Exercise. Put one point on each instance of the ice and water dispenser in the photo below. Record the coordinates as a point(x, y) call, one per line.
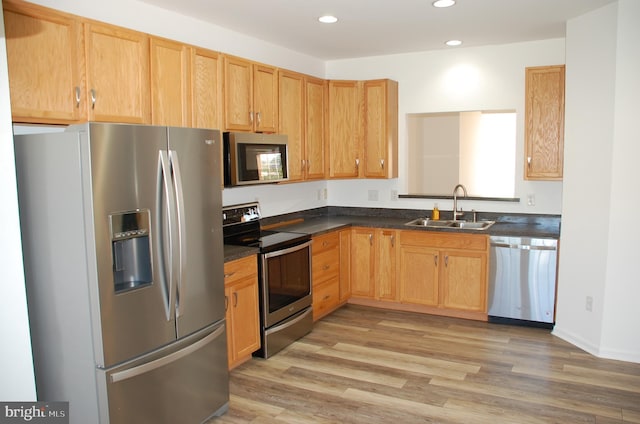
point(131, 249)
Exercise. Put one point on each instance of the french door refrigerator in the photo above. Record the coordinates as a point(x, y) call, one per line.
point(122, 242)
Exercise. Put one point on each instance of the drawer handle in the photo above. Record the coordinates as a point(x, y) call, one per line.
point(77, 90)
point(93, 98)
point(326, 297)
point(229, 274)
point(235, 299)
point(326, 267)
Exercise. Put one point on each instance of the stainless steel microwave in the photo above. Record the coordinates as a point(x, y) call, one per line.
point(255, 158)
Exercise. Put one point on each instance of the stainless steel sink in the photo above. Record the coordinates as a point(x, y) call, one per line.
point(458, 224)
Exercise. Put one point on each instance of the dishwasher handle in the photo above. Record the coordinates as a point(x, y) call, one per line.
point(522, 246)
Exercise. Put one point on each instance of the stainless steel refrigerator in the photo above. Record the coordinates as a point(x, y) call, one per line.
point(123, 253)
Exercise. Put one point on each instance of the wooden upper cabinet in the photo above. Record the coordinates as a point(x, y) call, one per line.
point(206, 89)
point(250, 96)
point(44, 54)
point(170, 83)
point(265, 98)
point(544, 122)
point(291, 115)
point(380, 137)
point(117, 74)
point(344, 129)
point(315, 128)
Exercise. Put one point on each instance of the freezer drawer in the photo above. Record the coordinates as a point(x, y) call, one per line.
point(522, 279)
point(173, 385)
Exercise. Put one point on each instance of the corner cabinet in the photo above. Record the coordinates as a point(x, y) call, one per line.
point(242, 310)
point(544, 122)
point(315, 128)
point(363, 129)
point(344, 129)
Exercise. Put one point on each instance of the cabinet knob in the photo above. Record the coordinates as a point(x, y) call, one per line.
point(529, 161)
point(235, 299)
point(382, 163)
point(357, 163)
point(93, 98)
point(326, 267)
point(435, 260)
point(259, 117)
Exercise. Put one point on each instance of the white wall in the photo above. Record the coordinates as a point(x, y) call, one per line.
point(599, 250)
point(16, 366)
point(463, 79)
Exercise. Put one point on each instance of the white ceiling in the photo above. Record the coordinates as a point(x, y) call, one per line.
point(382, 27)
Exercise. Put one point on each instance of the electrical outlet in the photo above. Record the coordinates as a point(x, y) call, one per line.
point(589, 304)
point(373, 195)
point(394, 195)
point(325, 193)
point(531, 199)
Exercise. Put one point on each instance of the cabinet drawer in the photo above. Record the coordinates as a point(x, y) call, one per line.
point(240, 268)
point(445, 240)
point(326, 297)
point(325, 266)
point(330, 241)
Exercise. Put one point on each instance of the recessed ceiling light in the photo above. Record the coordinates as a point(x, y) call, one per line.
point(443, 3)
point(453, 43)
point(328, 19)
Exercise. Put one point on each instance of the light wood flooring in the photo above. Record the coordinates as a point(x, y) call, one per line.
point(366, 365)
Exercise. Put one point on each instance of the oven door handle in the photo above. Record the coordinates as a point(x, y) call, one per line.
point(302, 315)
point(287, 250)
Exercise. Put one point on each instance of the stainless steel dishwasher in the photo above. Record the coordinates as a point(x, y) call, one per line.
point(522, 280)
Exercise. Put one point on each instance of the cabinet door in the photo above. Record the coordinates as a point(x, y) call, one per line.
point(380, 129)
point(238, 94)
point(344, 129)
point(385, 271)
point(544, 122)
point(362, 263)
point(44, 51)
point(345, 265)
point(291, 115)
point(265, 98)
point(316, 104)
point(418, 275)
point(206, 91)
point(170, 83)
point(117, 74)
point(243, 302)
point(464, 280)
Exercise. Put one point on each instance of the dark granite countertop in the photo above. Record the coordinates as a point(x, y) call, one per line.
point(238, 252)
point(515, 226)
point(323, 220)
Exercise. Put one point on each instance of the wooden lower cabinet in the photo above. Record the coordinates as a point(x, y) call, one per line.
point(325, 274)
point(373, 264)
point(242, 309)
point(444, 273)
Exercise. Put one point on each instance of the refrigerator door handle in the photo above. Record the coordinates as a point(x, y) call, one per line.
point(165, 229)
point(181, 222)
point(160, 362)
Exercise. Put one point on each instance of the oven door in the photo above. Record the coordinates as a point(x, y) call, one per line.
point(286, 282)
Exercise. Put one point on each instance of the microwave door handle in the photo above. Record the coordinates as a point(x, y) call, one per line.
point(164, 229)
point(181, 257)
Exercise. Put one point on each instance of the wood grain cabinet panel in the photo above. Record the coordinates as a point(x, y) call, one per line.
point(206, 88)
point(117, 74)
point(45, 63)
point(373, 264)
point(250, 96)
point(315, 128)
point(242, 310)
point(344, 129)
point(291, 115)
point(446, 272)
point(325, 273)
point(380, 129)
point(544, 122)
point(170, 83)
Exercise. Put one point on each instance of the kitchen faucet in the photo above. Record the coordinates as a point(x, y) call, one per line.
point(456, 214)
